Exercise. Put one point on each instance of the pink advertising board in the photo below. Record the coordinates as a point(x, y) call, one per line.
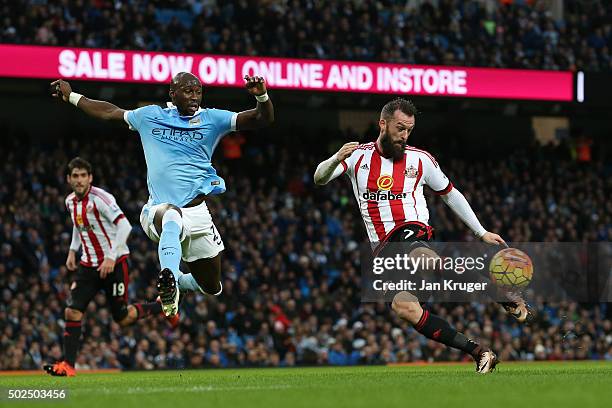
point(299, 74)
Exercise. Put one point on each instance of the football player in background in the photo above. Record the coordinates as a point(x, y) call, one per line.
point(101, 228)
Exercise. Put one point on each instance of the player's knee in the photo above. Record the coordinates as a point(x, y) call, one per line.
point(120, 315)
point(429, 256)
point(72, 315)
point(407, 306)
point(160, 214)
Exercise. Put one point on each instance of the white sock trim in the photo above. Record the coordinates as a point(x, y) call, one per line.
point(172, 215)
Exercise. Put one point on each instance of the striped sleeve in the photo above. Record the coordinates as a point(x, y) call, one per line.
point(348, 164)
point(434, 177)
point(106, 204)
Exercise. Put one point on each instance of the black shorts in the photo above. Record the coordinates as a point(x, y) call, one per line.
point(412, 235)
point(415, 233)
point(87, 283)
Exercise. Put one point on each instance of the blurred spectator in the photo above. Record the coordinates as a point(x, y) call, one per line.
point(232, 145)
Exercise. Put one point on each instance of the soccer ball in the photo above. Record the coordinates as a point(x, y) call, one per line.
point(511, 268)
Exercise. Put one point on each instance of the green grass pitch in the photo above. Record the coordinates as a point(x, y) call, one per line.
point(583, 384)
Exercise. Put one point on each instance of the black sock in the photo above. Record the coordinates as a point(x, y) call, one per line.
point(435, 328)
point(147, 309)
point(72, 337)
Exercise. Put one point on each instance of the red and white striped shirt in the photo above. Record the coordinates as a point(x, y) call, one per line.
point(95, 219)
point(390, 192)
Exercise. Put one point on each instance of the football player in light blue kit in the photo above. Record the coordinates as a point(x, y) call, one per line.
point(178, 143)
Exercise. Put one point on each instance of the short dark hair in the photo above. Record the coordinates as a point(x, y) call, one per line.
point(398, 104)
point(78, 163)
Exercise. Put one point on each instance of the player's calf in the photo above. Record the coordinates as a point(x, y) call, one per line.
point(170, 227)
point(429, 258)
point(207, 274)
point(130, 314)
point(72, 334)
point(407, 307)
point(435, 328)
point(169, 222)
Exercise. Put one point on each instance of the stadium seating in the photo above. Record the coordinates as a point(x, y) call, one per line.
point(519, 34)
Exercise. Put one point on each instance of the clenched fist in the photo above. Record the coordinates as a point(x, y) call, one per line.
point(61, 89)
point(256, 85)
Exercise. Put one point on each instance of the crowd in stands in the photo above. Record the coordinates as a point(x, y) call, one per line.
point(291, 268)
point(513, 34)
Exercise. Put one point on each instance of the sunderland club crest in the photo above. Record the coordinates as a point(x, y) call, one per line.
point(411, 172)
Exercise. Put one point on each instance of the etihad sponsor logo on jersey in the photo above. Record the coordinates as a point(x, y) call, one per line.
point(179, 135)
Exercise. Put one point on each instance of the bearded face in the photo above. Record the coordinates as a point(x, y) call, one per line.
point(394, 133)
point(392, 145)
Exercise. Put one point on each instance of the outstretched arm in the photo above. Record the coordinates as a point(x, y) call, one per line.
point(460, 206)
point(263, 114)
point(328, 169)
point(98, 109)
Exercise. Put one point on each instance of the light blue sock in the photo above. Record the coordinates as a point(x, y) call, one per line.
point(170, 252)
point(187, 282)
point(169, 249)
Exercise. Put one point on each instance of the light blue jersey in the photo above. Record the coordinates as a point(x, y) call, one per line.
point(178, 151)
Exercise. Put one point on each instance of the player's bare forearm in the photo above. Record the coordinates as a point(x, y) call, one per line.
point(263, 114)
point(260, 117)
point(98, 109)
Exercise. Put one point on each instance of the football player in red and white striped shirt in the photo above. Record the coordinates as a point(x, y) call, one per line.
point(101, 228)
point(388, 178)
